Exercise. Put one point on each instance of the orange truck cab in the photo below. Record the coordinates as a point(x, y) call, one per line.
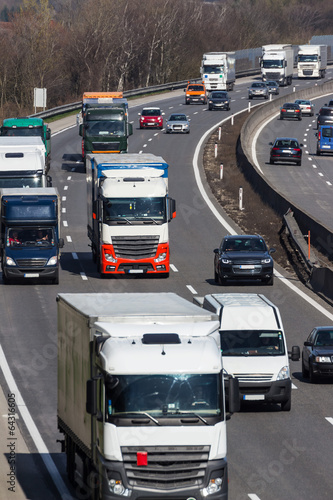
point(196, 93)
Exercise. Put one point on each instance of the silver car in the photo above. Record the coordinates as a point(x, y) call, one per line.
point(258, 89)
point(177, 122)
point(307, 107)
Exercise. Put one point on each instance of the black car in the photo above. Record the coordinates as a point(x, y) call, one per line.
point(290, 110)
point(317, 355)
point(273, 87)
point(243, 257)
point(325, 116)
point(286, 150)
point(219, 99)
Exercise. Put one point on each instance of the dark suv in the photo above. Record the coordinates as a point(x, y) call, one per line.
point(243, 257)
point(325, 116)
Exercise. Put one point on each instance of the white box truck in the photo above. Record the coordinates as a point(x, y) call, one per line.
point(22, 163)
point(141, 396)
point(277, 63)
point(218, 70)
point(253, 346)
point(312, 61)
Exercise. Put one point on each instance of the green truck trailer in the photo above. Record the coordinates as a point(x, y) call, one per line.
point(29, 127)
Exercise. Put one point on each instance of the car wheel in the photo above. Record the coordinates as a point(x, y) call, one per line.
point(266, 96)
point(216, 277)
point(299, 163)
point(299, 119)
point(269, 281)
point(305, 372)
point(250, 97)
point(286, 405)
point(271, 162)
point(210, 108)
point(318, 152)
point(55, 280)
point(313, 378)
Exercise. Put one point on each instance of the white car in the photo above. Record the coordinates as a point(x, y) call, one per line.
point(177, 122)
point(307, 107)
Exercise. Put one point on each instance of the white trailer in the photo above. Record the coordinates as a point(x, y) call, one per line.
point(277, 63)
point(218, 70)
point(22, 163)
point(141, 396)
point(253, 346)
point(312, 61)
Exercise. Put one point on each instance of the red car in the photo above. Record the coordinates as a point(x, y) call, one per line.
point(151, 117)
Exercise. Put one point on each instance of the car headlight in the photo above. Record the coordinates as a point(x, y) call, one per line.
point(202, 95)
point(210, 102)
point(265, 261)
point(226, 261)
point(283, 373)
point(117, 488)
point(10, 261)
point(161, 257)
point(214, 486)
point(52, 261)
point(109, 257)
point(323, 359)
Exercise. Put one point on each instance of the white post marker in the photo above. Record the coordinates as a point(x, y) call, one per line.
point(241, 198)
point(232, 119)
point(249, 107)
point(220, 131)
point(221, 171)
point(215, 149)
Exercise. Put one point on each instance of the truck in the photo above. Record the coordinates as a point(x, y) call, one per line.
point(217, 70)
point(129, 211)
point(141, 396)
point(277, 63)
point(312, 61)
point(253, 346)
point(30, 234)
point(22, 163)
point(105, 127)
point(29, 127)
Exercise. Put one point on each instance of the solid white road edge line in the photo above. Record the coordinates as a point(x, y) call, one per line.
point(33, 431)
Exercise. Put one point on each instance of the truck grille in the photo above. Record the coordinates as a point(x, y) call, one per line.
point(168, 467)
point(249, 377)
point(31, 263)
point(106, 146)
point(135, 247)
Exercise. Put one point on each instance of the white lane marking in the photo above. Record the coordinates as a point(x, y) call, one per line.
point(293, 386)
point(64, 198)
point(65, 188)
point(314, 166)
point(69, 177)
point(63, 210)
point(329, 183)
point(84, 276)
point(192, 289)
point(144, 146)
point(69, 239)
point(253, 496)
point(156, 134)
point(175, 270)
point(329, 419)
point(227, 226)
point(75, 256)
point(321, 175)
point(32, 429)
point(65, 223)
point(140, 152)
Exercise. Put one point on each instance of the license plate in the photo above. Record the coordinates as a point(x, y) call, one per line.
point(246, 266)
point(290, 111)
point(327, 147)
point(253, 397)
point(285, 151)
point(135, 271)
point(31, 275)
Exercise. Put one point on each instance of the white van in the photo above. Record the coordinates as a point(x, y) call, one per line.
point(253, 346)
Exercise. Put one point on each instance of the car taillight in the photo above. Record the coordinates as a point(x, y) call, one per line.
point(283, 109)
point(275, 149)
point(298, 110)
point(319, 135)
point(297, 150)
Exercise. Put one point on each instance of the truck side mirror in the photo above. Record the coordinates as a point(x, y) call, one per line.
point(295, 353)
point(91, 401)
point(234, 399)
point(49, 181)
point(130, 129)
point(61, 243)
point(172, 209)
point(80, 129)
point(48, 134)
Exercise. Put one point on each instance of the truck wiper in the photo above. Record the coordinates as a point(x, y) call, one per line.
point(189, 413)
point(150, 219)
point(143, 413)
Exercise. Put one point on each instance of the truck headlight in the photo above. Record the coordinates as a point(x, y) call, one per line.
point(109, 257)
point(323, 359)
point(213, 487)
point(10, 261)
point(117, 488)
point(52, 261)
point(161, 257)
point(283, 373)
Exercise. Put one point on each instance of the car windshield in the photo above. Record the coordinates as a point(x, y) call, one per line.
point(244, 245)
point(219, 95)
point(196, 87)
point(181, 118)
point(289, 105)
point(163, 395)
point(327, 132)
point(19, 237)
point(22, 131)
point(213, 69)
point(151, 112)
point(285, 143)
point(252, 343)
point(272, 84)
point(272, 63)
point(258, 85)
point(324, 337)
point(326, 112)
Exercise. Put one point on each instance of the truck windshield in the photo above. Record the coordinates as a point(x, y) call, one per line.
point(22, 131)
point(105, 128)
point(164, 395)
point(19, 237)
point(134, 210)
point(307, 58)
point(212, 69)
point(21, 182)
point(272, 63)
point(252, 343)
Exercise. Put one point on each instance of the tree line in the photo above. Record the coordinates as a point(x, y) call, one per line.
point(107, 45)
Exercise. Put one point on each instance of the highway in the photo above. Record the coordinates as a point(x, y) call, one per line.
point(272, 454)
